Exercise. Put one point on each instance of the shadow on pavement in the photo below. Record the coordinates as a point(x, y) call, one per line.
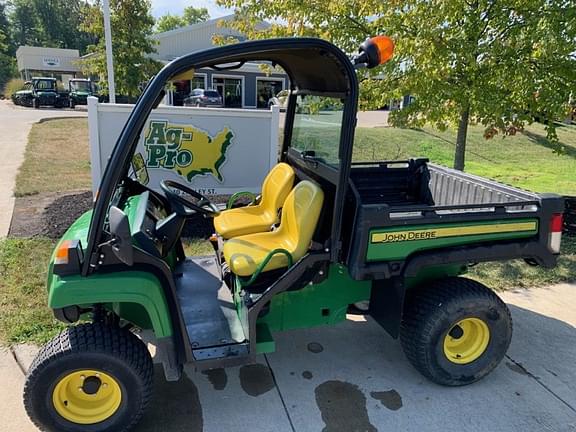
point(175, 406)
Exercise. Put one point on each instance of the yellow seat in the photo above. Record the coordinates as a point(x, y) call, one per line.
point(299, 219)
point(260, 217)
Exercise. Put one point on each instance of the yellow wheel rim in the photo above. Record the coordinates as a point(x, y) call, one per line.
point(466, 341)
point(87, 396)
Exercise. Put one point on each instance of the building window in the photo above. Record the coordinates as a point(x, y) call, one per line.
point(266, 89)
point(198, 82)
point(231, 90)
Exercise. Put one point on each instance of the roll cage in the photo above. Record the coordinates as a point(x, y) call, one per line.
point(314, 66)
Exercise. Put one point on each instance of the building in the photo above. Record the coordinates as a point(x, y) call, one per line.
point(58, 63)
point(245, 87)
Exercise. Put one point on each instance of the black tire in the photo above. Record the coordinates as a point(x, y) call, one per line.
point(112, 351)
point(72, 104)
point(433, 313)
point(36, 103)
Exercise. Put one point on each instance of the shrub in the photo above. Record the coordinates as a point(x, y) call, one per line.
point(12, 86)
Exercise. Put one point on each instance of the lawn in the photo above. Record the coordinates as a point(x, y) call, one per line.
point(25, 316)
point(525, 160)
point(57, 158)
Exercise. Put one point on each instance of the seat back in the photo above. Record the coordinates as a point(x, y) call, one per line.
point(276, 187)
point(300, 216)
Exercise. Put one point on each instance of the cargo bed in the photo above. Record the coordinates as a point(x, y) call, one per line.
point(400, 201)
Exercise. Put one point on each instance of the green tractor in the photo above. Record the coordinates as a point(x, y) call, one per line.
point(326, 237)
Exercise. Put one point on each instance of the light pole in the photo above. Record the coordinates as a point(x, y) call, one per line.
point(109, 55)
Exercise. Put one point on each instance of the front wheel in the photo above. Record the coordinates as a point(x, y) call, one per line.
point(91, 377)
point(36, 103)
point(455, 331)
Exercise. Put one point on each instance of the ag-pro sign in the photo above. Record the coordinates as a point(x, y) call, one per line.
point(219, 151)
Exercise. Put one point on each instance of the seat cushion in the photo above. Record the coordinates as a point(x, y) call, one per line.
point(261, 217)
point(244, 254)
point(243, 220)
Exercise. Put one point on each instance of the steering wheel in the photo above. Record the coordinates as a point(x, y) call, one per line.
point(178, 195)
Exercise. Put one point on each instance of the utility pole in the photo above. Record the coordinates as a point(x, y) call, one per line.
point(109, 55)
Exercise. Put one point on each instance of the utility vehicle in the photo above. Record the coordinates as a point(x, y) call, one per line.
point(78, 91)
point(40, 91)
point(325, 235)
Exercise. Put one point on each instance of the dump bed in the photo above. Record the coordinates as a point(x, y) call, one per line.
point(410, 214)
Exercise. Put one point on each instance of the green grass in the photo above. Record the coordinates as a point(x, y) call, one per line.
point(197, 247)
point(23, 267)
point(526, 160)
point(57, 158)
point(517, 274)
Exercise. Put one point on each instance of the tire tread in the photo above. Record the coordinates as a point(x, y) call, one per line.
point(94, 338)
point(423, 304)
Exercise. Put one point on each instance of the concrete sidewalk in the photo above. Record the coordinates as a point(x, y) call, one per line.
point(15, 125)
point(354, 377)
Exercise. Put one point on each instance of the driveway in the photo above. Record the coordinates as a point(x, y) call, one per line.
point(354, 377)
point(15, 124)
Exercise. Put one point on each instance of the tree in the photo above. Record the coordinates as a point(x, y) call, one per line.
point(191, 15)
point(498, 63)
point(59, 23)
point(49, 23)
point(7, 63)
point(194, 15)
point(24, 23)
point(132, 26)
point(169, 22)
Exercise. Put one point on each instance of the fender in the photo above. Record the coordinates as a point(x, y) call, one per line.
point(137, 287)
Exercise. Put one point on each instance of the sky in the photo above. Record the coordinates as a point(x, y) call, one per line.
point(175, 7)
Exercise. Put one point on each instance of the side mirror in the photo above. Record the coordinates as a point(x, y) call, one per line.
point(120, 230)
point(374, 52)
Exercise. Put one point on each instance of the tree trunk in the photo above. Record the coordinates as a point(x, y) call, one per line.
point(460, 153)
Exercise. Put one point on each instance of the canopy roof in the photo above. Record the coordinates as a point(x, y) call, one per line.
point(313, 65)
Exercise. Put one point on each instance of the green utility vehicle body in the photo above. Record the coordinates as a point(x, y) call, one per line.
point(394, 225)
point(79, 90)
point(391, 235)
point(40, 91)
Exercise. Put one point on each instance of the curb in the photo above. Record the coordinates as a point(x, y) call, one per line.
point(24, 355)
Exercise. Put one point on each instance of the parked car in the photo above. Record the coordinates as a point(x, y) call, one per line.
point(309, 105)
point(79, 90)
point(204, 98)
point(281, 99)
point(40, 91)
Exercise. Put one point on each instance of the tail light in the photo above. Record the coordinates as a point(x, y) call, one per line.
point(555, 237)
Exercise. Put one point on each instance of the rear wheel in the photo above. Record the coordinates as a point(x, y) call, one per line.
point(91, 377)
point(455, 331)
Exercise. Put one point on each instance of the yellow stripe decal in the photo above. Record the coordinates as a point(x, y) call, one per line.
point(434, 233)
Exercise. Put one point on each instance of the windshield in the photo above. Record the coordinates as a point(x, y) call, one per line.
point(211, 93)
point(80, 86)
point(317, 127)
point(45, 84)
